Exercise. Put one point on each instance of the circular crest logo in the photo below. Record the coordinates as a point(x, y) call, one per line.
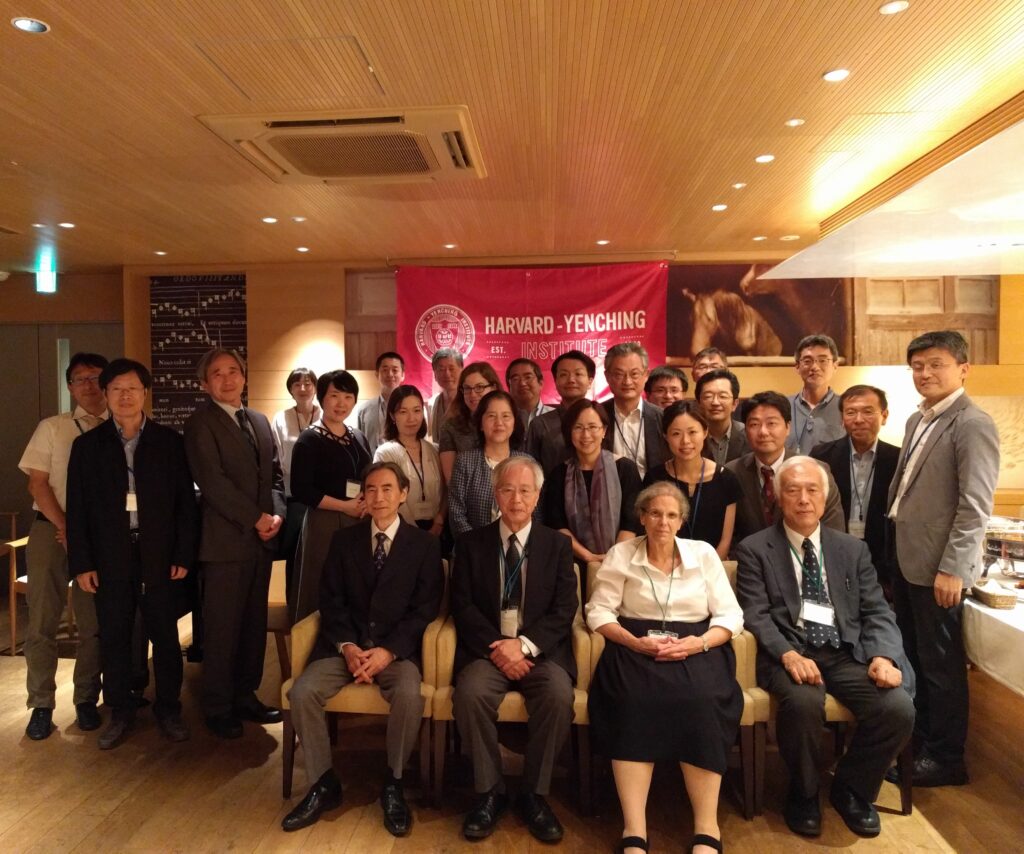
point(443, 326)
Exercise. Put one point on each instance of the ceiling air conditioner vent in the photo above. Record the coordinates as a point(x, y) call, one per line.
point(415, 144)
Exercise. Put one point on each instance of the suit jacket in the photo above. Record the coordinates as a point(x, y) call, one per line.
point(655, 449)
point(737, 446)
point(389, 609)
point(235, 489)
point(749, 513)
point(544, 440)
point(768, 591)
point(940, 526)
point(836, 455)
point(98, 524)
point(549, 601)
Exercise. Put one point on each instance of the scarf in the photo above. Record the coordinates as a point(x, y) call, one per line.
point(594, 518)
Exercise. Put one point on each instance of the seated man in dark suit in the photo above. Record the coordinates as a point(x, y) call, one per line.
point(381, 587)
point(811, 598)
point(513, 600)
point(574, 375)
point(863, 467)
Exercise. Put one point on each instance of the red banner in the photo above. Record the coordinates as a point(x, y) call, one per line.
point(499, 314)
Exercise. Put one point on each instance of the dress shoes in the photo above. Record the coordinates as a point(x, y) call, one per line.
point(483, 818)
point(87, 716)
point(117, 731)
point(172, 727)
point(928, 773)
point(542, 822)
point(860, 815)
point(224, 726)
point(257, 712)
point(40, 724)
point(803, 815)
point(397, 817)
point(323, 795)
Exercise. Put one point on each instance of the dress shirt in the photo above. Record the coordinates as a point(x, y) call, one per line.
point(699, 586)
point(796, 542)
point(774, 467)
point(812, 425)
point(389, 532)
point(129, 455)
point(720, 447)
point(862, 473)
point(286, 427)
point(522, 537)
point(628, 439)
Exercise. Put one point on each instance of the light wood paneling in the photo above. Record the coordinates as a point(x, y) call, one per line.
point(80, 298)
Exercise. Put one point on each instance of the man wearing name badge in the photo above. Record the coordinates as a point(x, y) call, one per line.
point(45, 461)
point(708, 359)
point(524, 381)
point(665, 385)
point(513, 593)
point(370, 416)
point(574, 375)
point(381, 587)
point(816, 416)
point(133, 528)
point(635, 431)
point(718, 393)
point(863, 467)
point(233, 459)
point(940, 500)
point(812, 600)
point(446, 364)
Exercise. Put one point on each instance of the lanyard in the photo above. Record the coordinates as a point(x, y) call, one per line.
point(421, 471)
point(668, 598)
point(691, 522)
point(511, 576)
point(634, 453)
point(821, 568)
point(914, 445)
point(867, 485)
point(79, 426)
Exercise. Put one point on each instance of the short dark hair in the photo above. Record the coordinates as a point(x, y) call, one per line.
point(298, 374)
point(718, 374)
point(207, 359)
point(946, 339)
point(386, 465)
point(665, 372)
point(120, 367)
point(88, 360)
point(515, 441)
point(341, 380)
point(682, 407)
point(536, 369)
point(397, 396)
point(816, 340)
point(573, 413)
point(708, 352)
point(390, 354)
point(576, 356)
point(767, 398)
point(861, 391)
point(446, 353)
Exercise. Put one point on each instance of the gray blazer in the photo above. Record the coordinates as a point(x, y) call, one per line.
point(942, 515)
point(366, 419)
point(234, 490)
point(544, 440)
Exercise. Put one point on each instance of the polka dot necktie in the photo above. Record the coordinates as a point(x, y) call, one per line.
point(379, 555)
point(768, 494)
point(818, 634)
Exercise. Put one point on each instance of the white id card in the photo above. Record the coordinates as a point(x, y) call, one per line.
point(131, 502)
point(815, 612)
point(661, 633)
point(510, 622)
point(421, 510)
point(353, 488)
point(856, 528)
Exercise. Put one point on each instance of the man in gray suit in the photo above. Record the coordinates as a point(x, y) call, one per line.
point(940, 500)
point(233, 459)
point(811, 598)
point(635, 430)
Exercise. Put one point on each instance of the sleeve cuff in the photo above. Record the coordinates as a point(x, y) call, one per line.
point(528, 646)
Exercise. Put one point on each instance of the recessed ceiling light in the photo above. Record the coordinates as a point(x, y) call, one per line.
point(602, 242)
point(764, 158)
point(30, 25)
point(270, 220)
point(66, 224)
point(159, 252)
point(836, 75)
point(794, 123)
point(790, 237)
point(298, 219)
point(302, 249)
point(739, 185)
point(894, 8)
point(450, 245)
point(719, 208)
point(38, 225)
point(760, 237)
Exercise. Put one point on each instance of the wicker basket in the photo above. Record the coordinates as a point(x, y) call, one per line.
point(995, 595)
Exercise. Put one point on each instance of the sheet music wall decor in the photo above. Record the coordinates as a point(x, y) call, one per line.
point(187, 316)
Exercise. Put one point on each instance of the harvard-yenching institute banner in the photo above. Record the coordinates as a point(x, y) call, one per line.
point(499, 314)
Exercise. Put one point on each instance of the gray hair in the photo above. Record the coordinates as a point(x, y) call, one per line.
point(446, 353)
point(793, 462)
point(657, 490)
point(518, 460)
point(626, 348)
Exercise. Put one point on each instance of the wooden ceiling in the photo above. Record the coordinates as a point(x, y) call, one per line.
point(623, 120)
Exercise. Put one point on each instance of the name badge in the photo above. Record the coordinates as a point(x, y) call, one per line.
point(131, 502)
point(661, 633)
point(510, 622)
point(815, 612)
point(421, 510)
point(353, 488)
point(855, 527)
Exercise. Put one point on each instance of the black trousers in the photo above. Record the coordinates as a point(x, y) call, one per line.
point(116, 605)
point(933, 638)
point(235, 627)
point(885, 720)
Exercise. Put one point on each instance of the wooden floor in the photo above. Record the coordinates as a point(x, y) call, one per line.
point(64, 795)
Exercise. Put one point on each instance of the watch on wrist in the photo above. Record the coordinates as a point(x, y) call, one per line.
point(704, 642)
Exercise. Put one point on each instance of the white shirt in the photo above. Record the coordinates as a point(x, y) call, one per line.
point(424, 501)
point(389, 532)
point(796, 542)
point(628, 437)
point(522, 538)
point(862, 473)
point(49, 449)
point(699, 586)
point(285, 427)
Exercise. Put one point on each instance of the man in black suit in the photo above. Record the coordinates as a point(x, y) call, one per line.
point(513, 601)
point(811, 598)
point(574, 375)
point(718, 393)
point(635, 431)
point(132, 533)
point(233, 458)
point(863, 467)
point(380, 587)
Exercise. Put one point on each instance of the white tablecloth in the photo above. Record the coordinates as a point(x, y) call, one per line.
point(994, 640)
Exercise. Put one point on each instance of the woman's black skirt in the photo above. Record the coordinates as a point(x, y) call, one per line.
point(643, 710)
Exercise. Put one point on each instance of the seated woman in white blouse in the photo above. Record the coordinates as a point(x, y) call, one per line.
point(665, 687)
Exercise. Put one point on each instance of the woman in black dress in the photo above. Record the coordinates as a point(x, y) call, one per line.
point(665, 686)
point(327, 470)
point(711, 489)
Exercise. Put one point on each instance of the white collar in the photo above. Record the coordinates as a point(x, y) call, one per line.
point(854, 453)
point(931, 413)
point(522, 535)
point(229, 409)
point(79, 412)
point(796, 541)
point(389, 532)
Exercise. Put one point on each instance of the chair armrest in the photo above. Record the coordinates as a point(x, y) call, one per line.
point(581, 652)
point(746, 668)
point(597, 642)
point(445, 654)
point(429, 653)
point(304, 635)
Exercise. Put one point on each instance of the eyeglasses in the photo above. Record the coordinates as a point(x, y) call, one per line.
point(91, 380)
point(521, 491)
point(658, 515)
point(480, 388)
point(125, 391)
point(934, 366)
point(821, 362)
point(592, 429)
point(709, 396)
point(619, 376)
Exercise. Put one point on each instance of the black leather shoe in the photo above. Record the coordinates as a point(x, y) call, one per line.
point(40, 724)
point(803, 815)
point(172, 727)
point(88, 717)
point(397, 817)
point(539, 817)
point(139, 698)
point(323, 795)
point(481, 821)
point(928, 773)
point(224, 726)
point(255, 711)
point(116, 732)
point(860, 815)
point(892, 775)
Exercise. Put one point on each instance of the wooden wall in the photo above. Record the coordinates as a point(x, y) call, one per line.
point(80, 298)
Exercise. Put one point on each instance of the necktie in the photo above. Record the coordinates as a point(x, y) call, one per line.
point(817, 634)
point(768, 494)
point(514, 593)
point(243, 422)
point(379, 555)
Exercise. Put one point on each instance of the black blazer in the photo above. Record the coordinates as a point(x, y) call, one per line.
point(550, 600)
point(98, 523)
point(234, 489)
point(391, 609)
point(544, 440)
point(737, 443)
point(836, 455)
point(655, 449)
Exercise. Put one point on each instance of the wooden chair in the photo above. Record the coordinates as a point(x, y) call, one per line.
point(279, 621)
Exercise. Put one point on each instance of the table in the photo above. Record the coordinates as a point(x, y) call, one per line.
point(994, 640)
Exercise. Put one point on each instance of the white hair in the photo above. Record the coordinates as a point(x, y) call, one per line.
point(518, 460)
point(793, 462)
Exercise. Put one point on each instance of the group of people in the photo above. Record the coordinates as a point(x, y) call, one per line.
point(852, 559)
